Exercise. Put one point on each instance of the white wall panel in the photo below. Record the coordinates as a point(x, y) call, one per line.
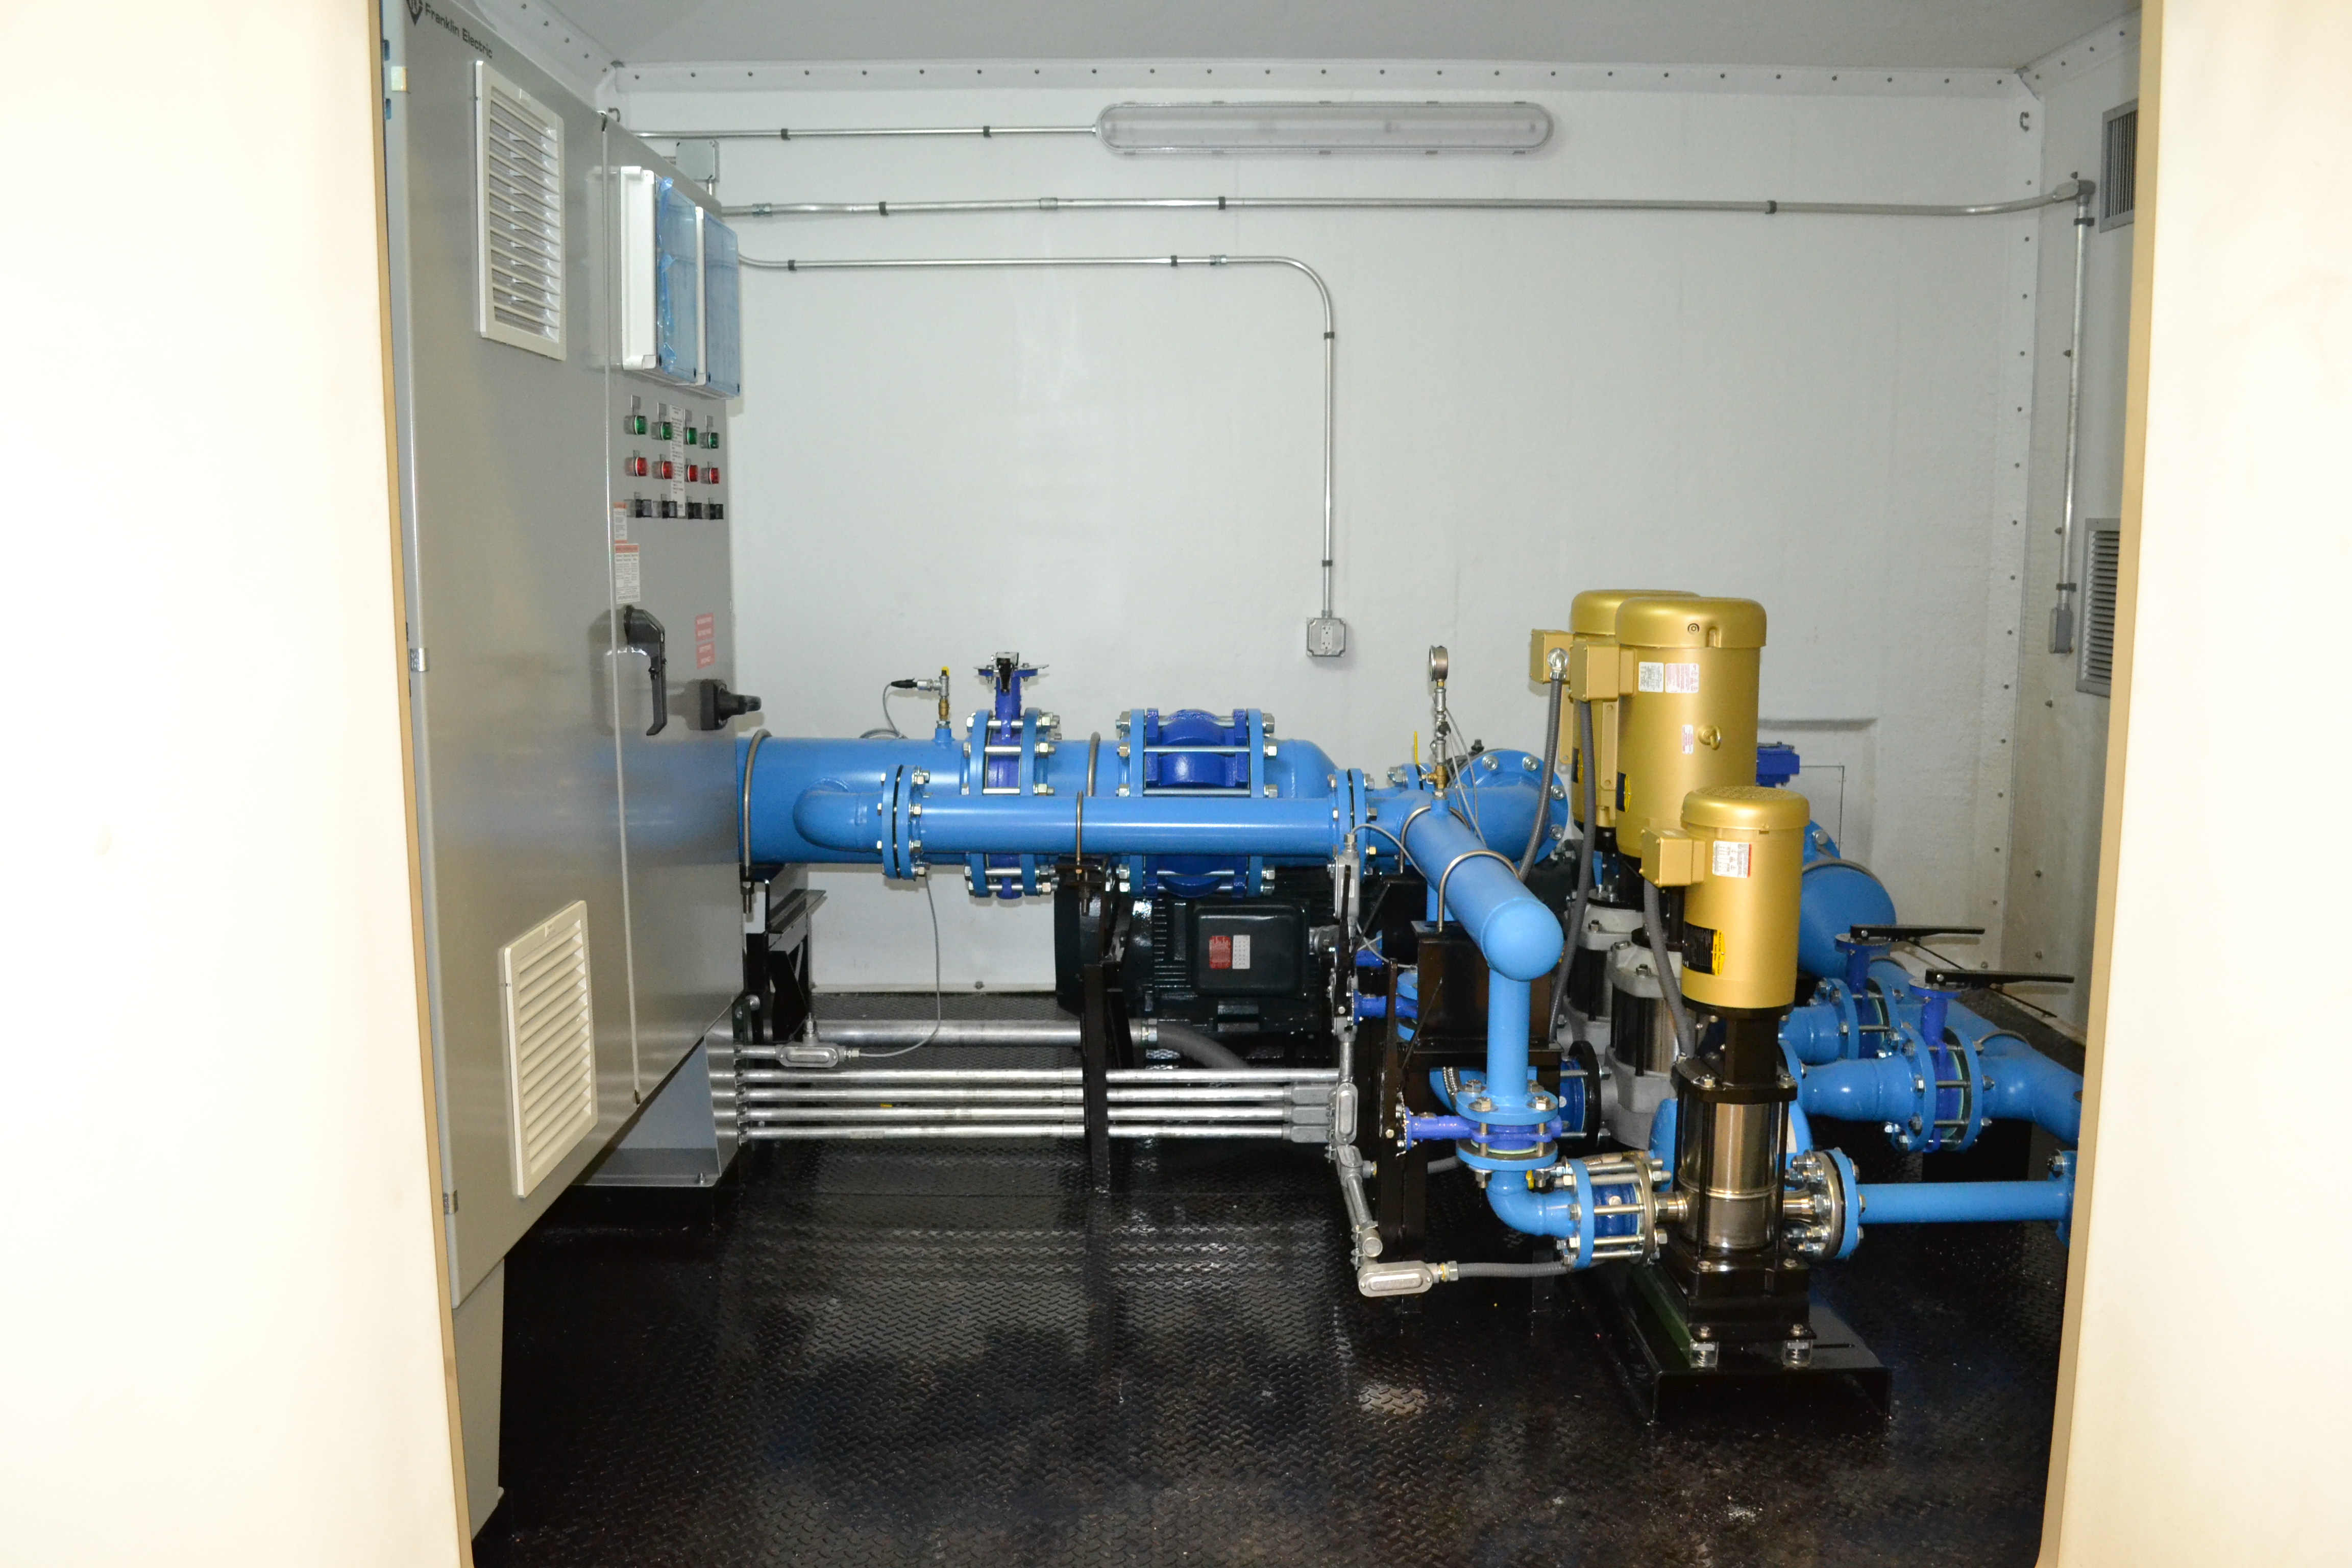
point(1117, 473)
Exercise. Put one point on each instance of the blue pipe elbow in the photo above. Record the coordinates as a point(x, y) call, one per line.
point(1527, 1211)
point(1837, 896)
point(1518, 936)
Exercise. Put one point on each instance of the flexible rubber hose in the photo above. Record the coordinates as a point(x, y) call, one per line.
point(1583, 871)
point(1197, 1046)
point(1543, 777)
point(1438, 1167)
point(1668, 980)
point(1507, 1270)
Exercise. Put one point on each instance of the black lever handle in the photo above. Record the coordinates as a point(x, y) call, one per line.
point(714, 704)
point(1980, 979)
point(1879, 936)
point(642, 632)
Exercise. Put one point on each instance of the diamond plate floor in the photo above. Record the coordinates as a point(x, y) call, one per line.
point(871, 1354)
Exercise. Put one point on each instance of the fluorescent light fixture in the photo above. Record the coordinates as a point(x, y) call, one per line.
point(1428, 128)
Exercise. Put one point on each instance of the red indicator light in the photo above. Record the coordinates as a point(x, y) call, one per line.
point(710, 474)
point(669, 472)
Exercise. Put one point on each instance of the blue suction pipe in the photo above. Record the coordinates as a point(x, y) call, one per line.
point(1501, 799)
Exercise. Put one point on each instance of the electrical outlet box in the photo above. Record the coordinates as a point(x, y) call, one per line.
point(1326, 637)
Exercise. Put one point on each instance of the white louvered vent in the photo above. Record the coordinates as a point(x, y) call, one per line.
point(519, 176)
point(2119, 166)
point(2102, 559)
point(550, 1044)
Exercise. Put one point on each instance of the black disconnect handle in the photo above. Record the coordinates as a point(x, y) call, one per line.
point(642, 632)
point(1881, 936)
point(1980, 979)
point(714, 705)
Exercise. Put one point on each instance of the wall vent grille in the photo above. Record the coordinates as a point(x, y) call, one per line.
point(2119, 165)
point(2101, 561)
point(550, 1044)
point(518, 174)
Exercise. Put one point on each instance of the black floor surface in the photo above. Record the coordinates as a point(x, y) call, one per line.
point(872, 1354)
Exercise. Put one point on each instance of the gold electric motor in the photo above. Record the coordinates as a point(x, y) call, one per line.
point(1684, 673)
point(1740, 854)
point(1591, 623)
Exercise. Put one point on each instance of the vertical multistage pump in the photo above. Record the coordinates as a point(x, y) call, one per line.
point(1722, 859)
point(1738, 857)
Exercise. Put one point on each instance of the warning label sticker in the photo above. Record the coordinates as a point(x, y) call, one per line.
point(1229, 952)
point(1690, 739)
point(1731, 858)
point(1674, 680)
point(628, 579)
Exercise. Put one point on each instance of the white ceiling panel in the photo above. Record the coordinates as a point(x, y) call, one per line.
point(1995, 33)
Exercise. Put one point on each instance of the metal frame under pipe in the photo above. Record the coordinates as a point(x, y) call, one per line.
point(1056, 1094)
point(1118, 1076)
point(857, 1132)
point(1271, 1115)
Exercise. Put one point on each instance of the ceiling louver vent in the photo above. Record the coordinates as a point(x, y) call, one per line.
point(550, 1044)
point(2119, 165)
point(2102, 559)
point(519, 173)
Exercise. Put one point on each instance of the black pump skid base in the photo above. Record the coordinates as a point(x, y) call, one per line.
point(1632, 1307)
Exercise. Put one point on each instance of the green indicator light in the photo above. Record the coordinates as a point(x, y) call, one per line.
point(636, 424)
point(711, 439)
point(663, 432)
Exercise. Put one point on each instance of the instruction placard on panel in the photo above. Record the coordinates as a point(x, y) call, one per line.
point(628, 580)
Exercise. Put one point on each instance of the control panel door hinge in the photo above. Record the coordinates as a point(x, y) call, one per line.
point(449, 1202)
point(418, 662)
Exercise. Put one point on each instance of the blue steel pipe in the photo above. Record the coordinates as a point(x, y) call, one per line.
point(1518, 936)
point(2029, 1087)
point(848, 820)
point(1815, 1032)
point(1870, 1089)
point(1933, 1203)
